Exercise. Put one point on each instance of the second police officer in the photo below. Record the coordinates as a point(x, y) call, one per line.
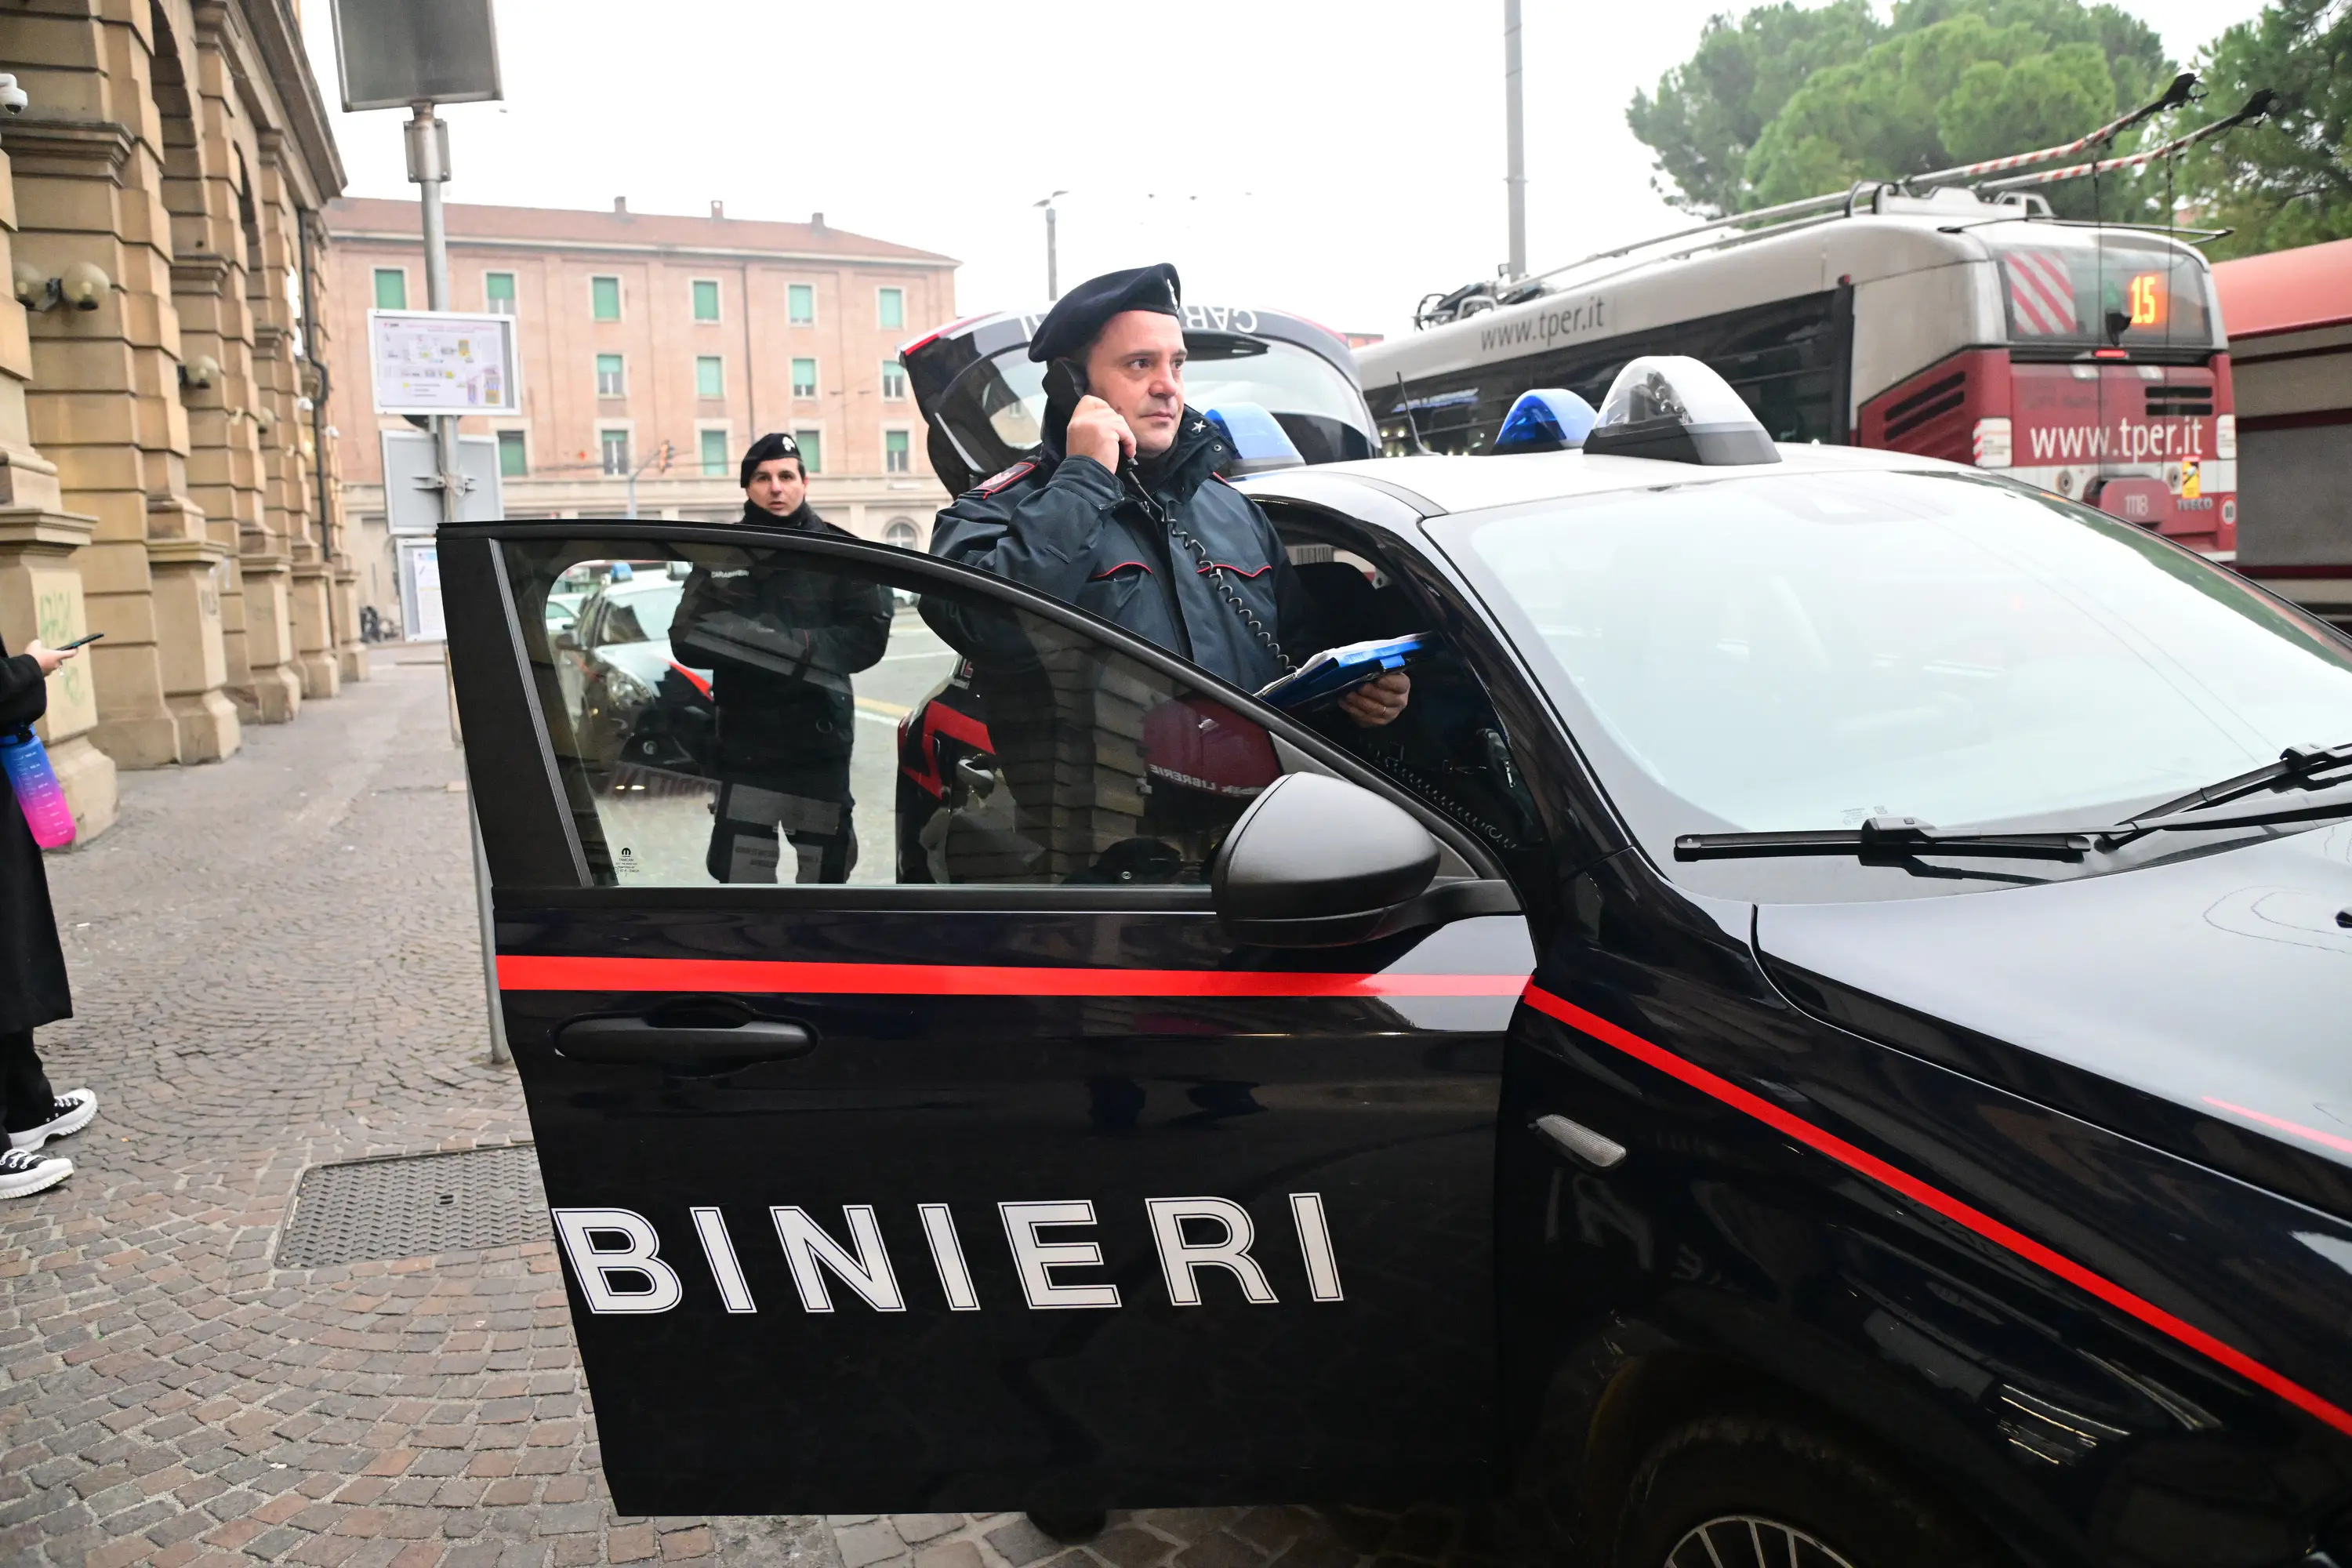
point(1119, 510)
point(781, 643)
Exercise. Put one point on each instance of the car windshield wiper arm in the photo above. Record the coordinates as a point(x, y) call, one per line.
point(1888, 837)
point(1891, 839)
point(2298, 766)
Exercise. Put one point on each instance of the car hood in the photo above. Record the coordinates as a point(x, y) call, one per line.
point(2204, 1005)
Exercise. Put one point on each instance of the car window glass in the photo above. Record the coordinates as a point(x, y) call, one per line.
point(756, 715)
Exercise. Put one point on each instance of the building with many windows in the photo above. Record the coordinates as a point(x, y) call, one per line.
point(643, 334)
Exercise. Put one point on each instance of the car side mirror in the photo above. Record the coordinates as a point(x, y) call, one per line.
point(1320, 862)
point(568, 638)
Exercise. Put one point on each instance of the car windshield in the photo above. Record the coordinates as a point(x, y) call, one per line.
point(1222, 367)
point(1803, 652)
point(2088, 287)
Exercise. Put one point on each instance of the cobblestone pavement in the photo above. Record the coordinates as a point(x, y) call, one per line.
point(276, 965)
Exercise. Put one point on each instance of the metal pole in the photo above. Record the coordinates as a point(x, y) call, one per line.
point(1053, 278)
point(428, 166)
point(1515, 179)
point(633, 490)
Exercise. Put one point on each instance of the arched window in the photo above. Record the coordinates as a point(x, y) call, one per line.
point(902, 532)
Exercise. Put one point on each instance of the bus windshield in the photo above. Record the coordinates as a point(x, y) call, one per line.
point(2068, 286)
point(1803, 652)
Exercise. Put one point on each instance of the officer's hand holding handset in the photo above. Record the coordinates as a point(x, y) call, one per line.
point(1095, 430)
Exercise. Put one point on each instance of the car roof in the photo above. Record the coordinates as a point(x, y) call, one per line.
point(1436, 485)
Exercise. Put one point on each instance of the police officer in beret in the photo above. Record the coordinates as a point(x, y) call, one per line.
point(781, 643)
point(1120, 510)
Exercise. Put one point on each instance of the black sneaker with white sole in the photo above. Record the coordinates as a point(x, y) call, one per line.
point(23, 1172)
point(69, 1113)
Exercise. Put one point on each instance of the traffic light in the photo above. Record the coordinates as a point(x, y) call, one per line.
point(667, 448)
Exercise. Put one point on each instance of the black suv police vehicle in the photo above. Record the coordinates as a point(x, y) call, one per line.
point(1822, 1037)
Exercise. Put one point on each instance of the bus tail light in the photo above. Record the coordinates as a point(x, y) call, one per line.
point(2225, 437)
point(1991, 443)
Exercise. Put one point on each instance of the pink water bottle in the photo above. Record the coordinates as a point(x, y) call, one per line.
point(27, 762)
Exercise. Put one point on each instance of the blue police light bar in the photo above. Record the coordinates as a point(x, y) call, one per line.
point(1257, 439)
point(1548, 419)
point(1671, 407)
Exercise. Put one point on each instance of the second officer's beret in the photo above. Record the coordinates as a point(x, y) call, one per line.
point(1075, 321)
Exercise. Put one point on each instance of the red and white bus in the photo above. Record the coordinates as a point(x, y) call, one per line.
point(2087, 359)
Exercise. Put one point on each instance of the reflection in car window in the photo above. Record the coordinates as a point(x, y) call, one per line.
point(637, 616)
point(791, 720)
point(1803, 652)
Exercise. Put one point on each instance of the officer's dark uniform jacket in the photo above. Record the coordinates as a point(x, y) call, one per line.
point(782, 644)
point(1073, 529)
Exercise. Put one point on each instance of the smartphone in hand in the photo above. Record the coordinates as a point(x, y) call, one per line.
point(85, 637)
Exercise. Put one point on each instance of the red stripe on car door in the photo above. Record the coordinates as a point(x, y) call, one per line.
point(525, 971)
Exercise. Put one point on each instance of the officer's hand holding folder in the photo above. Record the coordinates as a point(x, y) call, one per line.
point(1336, 671)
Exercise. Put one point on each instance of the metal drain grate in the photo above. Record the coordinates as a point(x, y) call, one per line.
point(413, 1206)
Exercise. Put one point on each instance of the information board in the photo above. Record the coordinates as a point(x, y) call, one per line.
point(442, 362)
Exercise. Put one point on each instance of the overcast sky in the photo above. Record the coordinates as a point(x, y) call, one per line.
point(1337, 159)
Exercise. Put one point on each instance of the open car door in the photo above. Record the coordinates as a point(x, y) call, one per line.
point(1023, 1185)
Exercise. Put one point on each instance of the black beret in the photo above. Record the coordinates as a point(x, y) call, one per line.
point(773, 445)
point(1079, 315)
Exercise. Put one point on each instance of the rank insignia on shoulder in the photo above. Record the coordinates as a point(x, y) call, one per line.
point(996, 482)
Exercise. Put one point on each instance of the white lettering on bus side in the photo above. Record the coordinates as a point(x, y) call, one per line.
point(1546, 326)
point(615, 1255)
point(2130, 441)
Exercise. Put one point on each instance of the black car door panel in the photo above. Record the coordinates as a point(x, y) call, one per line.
point(1032, 1190)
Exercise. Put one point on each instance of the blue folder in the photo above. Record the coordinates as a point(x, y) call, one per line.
point(1336, 671)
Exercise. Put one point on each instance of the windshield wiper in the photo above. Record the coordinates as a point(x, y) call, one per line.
point(1887, 840)
point(2297, 766)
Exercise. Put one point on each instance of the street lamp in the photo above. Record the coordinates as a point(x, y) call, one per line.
point(1053, 279)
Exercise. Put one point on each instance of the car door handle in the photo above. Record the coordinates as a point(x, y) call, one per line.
point(644, 1040)
point(1581, 1142)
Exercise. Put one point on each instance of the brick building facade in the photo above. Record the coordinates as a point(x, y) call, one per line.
point(162, 468)
point(637, 329)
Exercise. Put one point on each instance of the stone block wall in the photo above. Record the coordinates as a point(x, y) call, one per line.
point(165, 470)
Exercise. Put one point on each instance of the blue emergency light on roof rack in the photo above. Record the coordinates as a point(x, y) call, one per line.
point(1548, 419)
point(1257, 438)
point(1671, 407)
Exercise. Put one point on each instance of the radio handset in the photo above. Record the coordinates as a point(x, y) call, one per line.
point(1066, 382)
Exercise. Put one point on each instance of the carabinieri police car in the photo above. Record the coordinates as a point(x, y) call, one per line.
point(1821, 1038)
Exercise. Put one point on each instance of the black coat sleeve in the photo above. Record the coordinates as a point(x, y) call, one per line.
point(23, 691)
point(858, 631)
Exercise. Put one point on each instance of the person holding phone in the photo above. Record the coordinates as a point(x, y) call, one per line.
point(1120, 510)
point(33, 989)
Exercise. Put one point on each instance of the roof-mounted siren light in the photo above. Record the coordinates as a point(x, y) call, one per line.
point(1548, 419)
point(1257, 439)
point(1673, 407)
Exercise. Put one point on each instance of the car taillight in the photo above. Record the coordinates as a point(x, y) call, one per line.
point(1991, 443)
point(2225, 437)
